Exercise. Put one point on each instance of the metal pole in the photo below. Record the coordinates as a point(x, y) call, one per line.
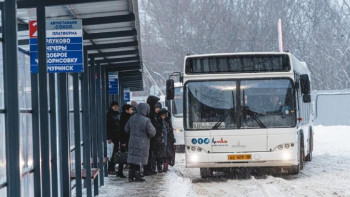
point(43, 104)
point(103, 116)
point(76, 105)
point(100, 123)
point(94, 120)
point(107, 98)
point(9, 24)
point(62, 95)
point(86, 127)
point(53, 132)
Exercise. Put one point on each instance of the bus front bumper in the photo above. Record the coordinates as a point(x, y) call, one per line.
point(258, 159)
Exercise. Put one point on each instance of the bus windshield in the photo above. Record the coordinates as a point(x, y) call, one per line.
point(240, 104)
point(177, 107)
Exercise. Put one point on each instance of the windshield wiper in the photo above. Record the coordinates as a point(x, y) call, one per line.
point(219, 123)
point(233, 109)
point(254, 116)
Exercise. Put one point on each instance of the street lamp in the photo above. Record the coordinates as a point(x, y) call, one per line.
point(150, 76)
point(159, 75)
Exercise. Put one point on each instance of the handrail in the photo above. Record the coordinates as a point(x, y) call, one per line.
point(72, 148)
point(3, 185)
point(27, 171)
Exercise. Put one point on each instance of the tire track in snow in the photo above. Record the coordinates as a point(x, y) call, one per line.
point(268, 190)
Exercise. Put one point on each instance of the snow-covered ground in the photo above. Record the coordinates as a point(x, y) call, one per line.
point(328, 174)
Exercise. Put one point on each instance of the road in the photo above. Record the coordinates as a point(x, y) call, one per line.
point(327, 174)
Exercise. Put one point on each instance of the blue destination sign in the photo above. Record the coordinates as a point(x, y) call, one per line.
point(113, 83)
point(127, 95)
point(64, 47)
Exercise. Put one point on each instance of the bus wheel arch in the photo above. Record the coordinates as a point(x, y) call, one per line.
point(296, 169)
point(311, 145)
point(301, 150)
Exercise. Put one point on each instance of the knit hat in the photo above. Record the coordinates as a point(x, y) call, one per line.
point(163, 111)
point(114, 103)
point(158, 105)
point(126, 107)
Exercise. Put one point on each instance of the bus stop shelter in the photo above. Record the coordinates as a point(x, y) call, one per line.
point(52, 125)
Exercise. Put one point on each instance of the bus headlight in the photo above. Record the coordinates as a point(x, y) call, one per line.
point(286, 155)
point(194, 158)
point(193, 148)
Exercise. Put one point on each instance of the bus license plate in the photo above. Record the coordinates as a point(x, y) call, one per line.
point(239, 157)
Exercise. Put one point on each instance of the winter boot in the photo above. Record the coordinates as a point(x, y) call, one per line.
point(120, 171)
point(111, 167)
point(165, 167)
point(159, 168)
point(131, 175)
point(121, 175)
point(138, 177)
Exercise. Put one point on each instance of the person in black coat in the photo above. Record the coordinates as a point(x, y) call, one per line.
point(150, 168)
point(113, 131)
point(165, 142)
point(128, 111)
point(123, 137)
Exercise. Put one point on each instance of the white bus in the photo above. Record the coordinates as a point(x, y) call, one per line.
point(176, 108)
point(246, 110)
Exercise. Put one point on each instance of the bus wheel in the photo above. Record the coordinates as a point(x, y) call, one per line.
point(311, 144)
point(294, 169)
point(206, 172)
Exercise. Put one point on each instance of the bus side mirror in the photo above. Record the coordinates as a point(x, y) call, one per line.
point(305, 84)
point(306, 98)
point(170, 89)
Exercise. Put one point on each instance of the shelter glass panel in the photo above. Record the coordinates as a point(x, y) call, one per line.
point(71, 108)
point(26, 141)
point(3, 191)
point(24, 82)
point(72, 159)
point(1, 79)
point(27, 186)
point(71, 129)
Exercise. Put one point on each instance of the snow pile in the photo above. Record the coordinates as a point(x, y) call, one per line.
point(333, 140)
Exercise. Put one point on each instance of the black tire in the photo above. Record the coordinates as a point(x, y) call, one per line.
point(206, 172)
point(296, 169)
point(311, 147)
point(302, 154)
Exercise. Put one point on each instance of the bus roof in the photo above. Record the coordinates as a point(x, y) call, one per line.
point(297, 65)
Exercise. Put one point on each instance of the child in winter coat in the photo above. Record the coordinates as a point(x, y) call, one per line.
point(165, 142)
